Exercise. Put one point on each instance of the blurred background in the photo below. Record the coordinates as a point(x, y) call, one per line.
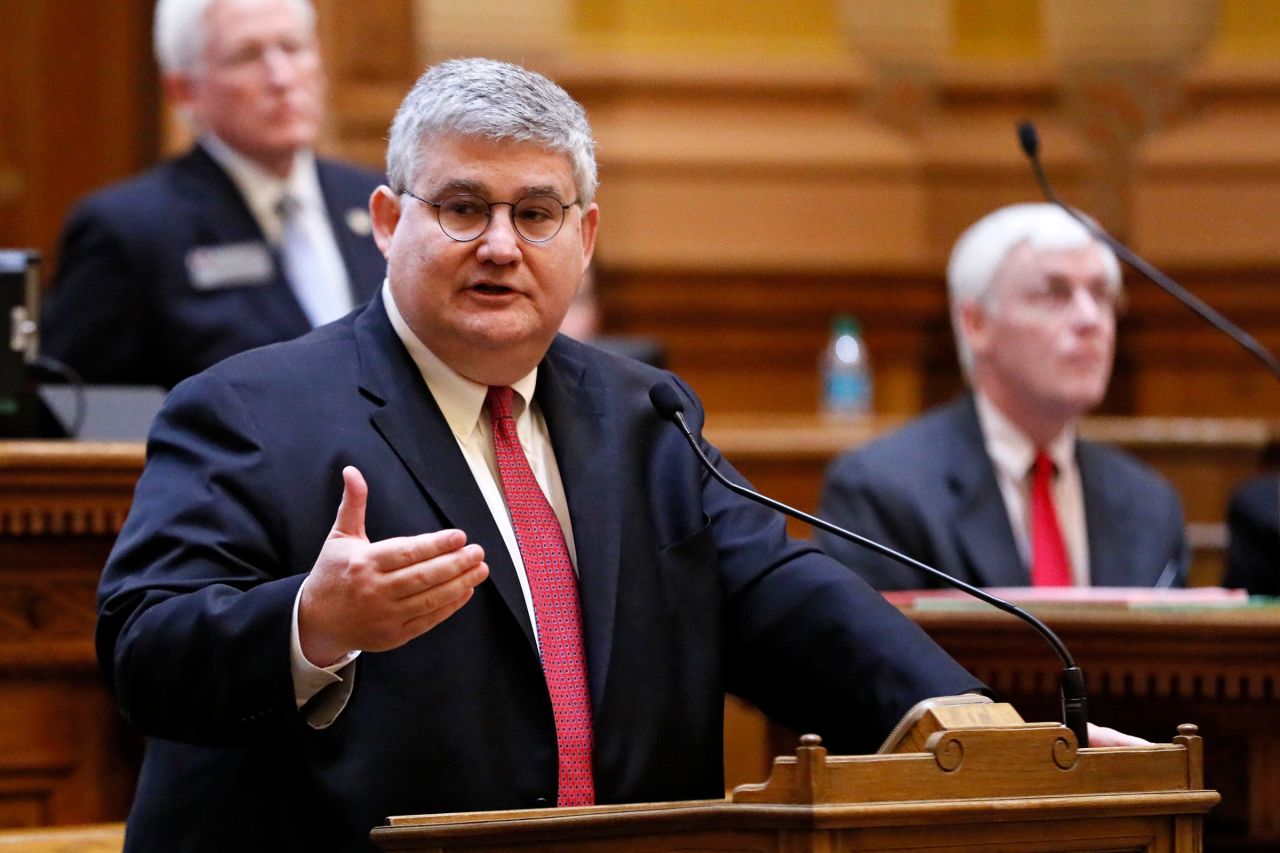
point(766, 165)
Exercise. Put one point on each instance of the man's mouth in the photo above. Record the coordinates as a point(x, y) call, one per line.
point(489, 289)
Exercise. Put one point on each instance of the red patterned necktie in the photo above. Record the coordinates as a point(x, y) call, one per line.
point(554, 587)
point(1049, 563)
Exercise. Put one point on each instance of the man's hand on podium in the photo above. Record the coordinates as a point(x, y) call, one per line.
point(1103, 736)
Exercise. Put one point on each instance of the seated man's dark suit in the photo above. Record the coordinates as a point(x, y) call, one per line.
point(1253, 537)
point(125, 307)
point(688, 591)
point(930, 491)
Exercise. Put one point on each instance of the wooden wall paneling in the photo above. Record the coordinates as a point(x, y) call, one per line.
point(66, 756)
point(1208, 192)
point(78, 106)
point(371, 58)
point(1176, 364)
point(751, 341)
point(974, 163)
point(745, 166)
point(1205, 188)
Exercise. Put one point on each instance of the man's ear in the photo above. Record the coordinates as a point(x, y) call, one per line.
point(384, 210)
point(974, 324)
point(179, 89)
point(590, 222)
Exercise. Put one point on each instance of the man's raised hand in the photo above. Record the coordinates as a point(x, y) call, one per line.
point(375, 596)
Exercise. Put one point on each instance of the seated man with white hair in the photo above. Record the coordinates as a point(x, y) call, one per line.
point(996, 488)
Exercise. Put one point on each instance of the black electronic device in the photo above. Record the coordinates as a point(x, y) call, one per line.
point(21, 413)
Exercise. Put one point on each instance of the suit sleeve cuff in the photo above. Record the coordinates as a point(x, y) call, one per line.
point(319, 692)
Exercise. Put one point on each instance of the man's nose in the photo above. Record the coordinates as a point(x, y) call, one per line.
point(1089, 307)
point(499, 242)
point(280, 64)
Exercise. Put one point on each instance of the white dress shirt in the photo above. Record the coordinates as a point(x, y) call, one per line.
point(262, 191)
point(1012, 455)
point(462, 403)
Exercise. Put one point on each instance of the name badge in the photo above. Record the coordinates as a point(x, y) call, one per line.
point(230, 265)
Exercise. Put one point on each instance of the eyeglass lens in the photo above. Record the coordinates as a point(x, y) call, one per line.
point(537, 218)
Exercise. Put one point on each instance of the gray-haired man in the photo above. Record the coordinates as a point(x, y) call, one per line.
point(996, 488)
point(245, 240)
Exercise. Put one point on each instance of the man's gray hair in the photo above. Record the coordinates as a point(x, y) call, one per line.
point(179, 33)
point(984, 246)
point(494, 100)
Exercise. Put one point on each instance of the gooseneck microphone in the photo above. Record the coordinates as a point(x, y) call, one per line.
point(1029, 140)
point(1075, 713)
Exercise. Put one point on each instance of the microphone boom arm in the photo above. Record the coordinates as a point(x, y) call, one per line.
point(1030, 144)
point(1074, 702)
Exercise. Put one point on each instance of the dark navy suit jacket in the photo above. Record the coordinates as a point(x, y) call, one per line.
point(124, 308)
point(929, 490)
point(688, 591)
point(1253, 531)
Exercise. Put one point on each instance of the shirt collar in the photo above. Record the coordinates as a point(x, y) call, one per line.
point(262, 189)
point(1011, 450)
point(460, 399)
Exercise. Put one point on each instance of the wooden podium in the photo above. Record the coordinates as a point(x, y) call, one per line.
point(958, 778)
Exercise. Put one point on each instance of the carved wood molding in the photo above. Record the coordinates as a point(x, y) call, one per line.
point(1227, 656)
point(50, 488)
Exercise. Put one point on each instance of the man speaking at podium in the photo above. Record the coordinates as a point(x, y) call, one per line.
point(434, 557)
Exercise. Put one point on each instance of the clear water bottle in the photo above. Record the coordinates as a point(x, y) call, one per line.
point(846, 372)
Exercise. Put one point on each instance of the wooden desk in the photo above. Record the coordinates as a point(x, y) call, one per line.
point(65, 754)
point(66, 757)
point(1147, 673)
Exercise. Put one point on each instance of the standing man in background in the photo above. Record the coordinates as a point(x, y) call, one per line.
point(996, 488)
point(245, 240)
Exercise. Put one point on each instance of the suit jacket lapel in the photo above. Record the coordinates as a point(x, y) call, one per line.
point(575, 406)
point(982, 528)
point(347, 211)
point(1107, 522)
point(412, 424)
point(223, 217)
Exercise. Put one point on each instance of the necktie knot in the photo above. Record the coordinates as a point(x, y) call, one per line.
point(1043, 466)
point(287, 207)
point(498, 401)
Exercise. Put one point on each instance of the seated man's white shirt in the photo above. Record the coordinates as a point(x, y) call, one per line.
point(1012, 455)
point(262, 191)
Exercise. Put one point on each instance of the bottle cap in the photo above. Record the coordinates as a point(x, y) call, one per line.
point(845, 324)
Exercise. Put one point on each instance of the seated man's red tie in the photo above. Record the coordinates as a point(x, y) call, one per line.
point(1050, 565)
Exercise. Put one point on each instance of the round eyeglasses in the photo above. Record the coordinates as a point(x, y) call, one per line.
point(536, 218)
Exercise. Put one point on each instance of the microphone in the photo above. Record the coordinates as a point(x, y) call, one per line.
point(1029, 141)
point(1075, 713)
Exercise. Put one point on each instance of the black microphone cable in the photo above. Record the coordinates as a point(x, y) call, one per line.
point(47, 366)
point(1075, 714)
